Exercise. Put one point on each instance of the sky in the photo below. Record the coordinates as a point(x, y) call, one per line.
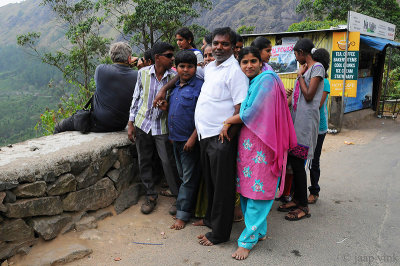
point(5, 2)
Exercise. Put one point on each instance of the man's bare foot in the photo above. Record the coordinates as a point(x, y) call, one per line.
point(241, 253)
point(204, 240)
point(238, 215)
point(199, 223)
point(178, 225)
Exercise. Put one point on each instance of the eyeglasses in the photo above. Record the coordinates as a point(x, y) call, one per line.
point(169, 55)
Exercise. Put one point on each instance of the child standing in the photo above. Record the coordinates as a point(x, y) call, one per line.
point(182, 132)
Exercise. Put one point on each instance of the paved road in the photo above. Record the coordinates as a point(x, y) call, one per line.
point(355, 222)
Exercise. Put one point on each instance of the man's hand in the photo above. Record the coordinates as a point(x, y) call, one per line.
point(162, 105)
point(161, 95)
point(224, 133)
point(189, 144)
point(131, 132)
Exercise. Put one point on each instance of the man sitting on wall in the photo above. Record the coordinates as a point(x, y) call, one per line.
point(115, 84)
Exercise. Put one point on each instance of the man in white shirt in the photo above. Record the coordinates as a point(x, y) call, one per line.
point(225, 87)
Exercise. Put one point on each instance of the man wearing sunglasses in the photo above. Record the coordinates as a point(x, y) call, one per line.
point(147, 125)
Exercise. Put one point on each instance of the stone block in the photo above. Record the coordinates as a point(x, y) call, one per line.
point(15, 230)
point(102, 214)
point(64, 184)
point(122, 178)
point(61, 254)
point(117, 164)
point(10, 197)
point(79, 163)
point(49, 227)
point(95, 171)
point(30, 190)
point(34, 207)
point(125, 157)
point(128, 197)
point(8, 184)
point(95, 197)
point(3, 208)
point(86, 223)
point(76, 217)
point(50, 174)
point(9, 249)
point(114, 175)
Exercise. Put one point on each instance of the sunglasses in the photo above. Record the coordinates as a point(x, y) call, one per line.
point(169, 55)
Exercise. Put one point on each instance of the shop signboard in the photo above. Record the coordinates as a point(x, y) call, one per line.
point(337, 63)
point(364, 96)
point(371, 26)
point(283, 59)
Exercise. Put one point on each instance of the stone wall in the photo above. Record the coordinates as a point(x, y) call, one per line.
point(55, 184)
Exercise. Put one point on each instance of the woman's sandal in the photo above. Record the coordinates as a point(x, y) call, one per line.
point(285, 208)
point(312, 199)
point(294, 215)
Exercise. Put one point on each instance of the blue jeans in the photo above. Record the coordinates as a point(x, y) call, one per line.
point(187, 164)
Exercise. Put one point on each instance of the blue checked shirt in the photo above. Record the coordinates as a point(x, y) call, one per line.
point(142, 113)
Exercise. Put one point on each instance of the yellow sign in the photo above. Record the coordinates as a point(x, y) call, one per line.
point(337, 63)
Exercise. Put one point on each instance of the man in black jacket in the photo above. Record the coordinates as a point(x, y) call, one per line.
point(115, 84)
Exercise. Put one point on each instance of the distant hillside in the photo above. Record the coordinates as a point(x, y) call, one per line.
point(265, 15)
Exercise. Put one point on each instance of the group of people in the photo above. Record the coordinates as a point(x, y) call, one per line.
point(220, 118)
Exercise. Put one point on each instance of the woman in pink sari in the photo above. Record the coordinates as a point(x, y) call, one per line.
point(264, 140)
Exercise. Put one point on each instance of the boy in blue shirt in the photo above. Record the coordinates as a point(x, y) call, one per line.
point(182, 131)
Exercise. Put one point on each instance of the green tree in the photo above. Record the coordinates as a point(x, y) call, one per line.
point(86, 46)
point(315, 25)
point(148, 21)
point(245, 29)
point(78, 60)
point(387, 10)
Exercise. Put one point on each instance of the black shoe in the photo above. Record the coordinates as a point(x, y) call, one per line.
point(172, 209)
point(148, 206)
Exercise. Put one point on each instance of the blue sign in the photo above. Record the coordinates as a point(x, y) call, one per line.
point(364, 96)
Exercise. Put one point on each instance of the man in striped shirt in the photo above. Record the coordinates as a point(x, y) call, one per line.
point(148, 125)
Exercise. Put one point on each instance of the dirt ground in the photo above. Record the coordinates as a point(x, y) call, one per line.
point(133, 238)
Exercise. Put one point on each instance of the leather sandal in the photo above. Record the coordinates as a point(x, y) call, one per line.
point(294, 215)
point(312, 199)
point(285, 208)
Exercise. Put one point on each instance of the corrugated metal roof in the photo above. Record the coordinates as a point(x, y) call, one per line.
point(292, 32)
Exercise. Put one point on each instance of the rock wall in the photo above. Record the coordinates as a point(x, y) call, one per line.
point(55, 184)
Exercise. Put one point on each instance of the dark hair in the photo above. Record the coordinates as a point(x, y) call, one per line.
point(238, 38)
point(160, 47)
point(208, 38)
point(303, 45)
point(185, 56)
point(147, 56)
point(207, 45)
point(225, 31)
point(261, 43)
point(249, 50)
point(187, 35)
point(321, 55)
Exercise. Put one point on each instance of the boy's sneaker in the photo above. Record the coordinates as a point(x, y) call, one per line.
point(148, 206)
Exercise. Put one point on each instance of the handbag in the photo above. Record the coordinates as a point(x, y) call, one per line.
point(82, 117)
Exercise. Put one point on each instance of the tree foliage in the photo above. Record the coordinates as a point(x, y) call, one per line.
point(315, 25)
point(78, 60)
point(148, 21)
point(387, 10)
point(245, 29)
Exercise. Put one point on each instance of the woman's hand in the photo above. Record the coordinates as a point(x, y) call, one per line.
point(224, 133)
point(302, 70)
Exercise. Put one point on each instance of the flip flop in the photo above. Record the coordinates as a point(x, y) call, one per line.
point(166, 193)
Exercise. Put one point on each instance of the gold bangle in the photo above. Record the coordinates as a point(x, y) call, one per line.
point(226, 124)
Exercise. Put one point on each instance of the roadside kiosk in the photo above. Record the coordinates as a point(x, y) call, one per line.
point(365, 61)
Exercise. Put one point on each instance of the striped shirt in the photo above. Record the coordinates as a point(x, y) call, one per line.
point(142, 113)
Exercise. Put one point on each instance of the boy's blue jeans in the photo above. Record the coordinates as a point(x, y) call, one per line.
point(187, 164)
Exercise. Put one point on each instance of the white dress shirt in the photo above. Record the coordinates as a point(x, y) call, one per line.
point(224, 87)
